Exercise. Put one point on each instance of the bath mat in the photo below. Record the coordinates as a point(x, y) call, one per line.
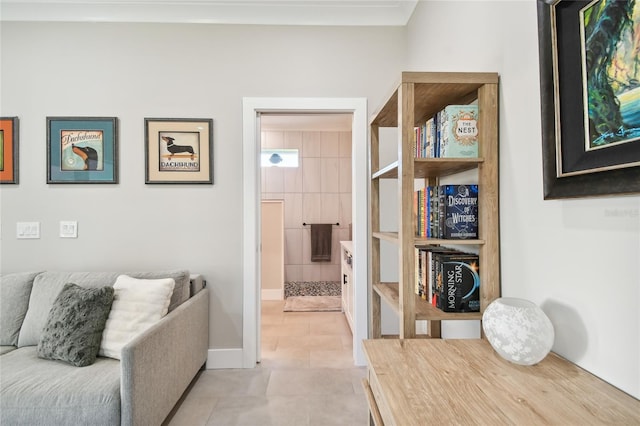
point(313, 304)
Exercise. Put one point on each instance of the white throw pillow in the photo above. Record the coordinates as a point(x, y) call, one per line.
point(137, 305)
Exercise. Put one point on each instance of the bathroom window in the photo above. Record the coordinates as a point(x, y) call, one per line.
point(279, 158)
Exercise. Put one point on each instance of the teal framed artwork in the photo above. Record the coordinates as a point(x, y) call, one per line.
point(82, 150)
point(590, 97)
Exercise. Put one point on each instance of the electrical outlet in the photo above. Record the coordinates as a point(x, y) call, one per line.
point(68, 229)
point(28, 230)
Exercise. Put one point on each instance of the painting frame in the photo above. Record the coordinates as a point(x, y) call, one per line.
point(82, 150)
point(9, 150)
point(558, 140)
point(178, 150)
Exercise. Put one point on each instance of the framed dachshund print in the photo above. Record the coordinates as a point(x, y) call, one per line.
point(590, 97)
point(9, 150)
point(82, 150)
point(179, 150)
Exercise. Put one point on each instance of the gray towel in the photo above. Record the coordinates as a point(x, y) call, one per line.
point(321, 242)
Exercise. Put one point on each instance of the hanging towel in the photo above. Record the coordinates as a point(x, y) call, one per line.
point(321, 242)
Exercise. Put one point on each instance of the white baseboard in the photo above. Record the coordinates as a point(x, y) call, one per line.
point(272, 294)
point(218, 359)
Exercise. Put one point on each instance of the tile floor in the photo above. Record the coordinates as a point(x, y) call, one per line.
point(306, 377)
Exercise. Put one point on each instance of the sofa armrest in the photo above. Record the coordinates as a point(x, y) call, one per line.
point(157, 366)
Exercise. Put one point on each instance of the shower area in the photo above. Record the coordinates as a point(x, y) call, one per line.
point(306, 167)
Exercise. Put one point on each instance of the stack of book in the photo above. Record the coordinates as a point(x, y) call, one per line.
point(446, 211)
point(448, 279)
point(451, 133)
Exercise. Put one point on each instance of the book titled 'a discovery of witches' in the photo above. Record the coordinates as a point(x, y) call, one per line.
point(460, 211)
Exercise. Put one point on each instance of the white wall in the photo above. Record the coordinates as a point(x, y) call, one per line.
point(577, 259)
point(134, 71)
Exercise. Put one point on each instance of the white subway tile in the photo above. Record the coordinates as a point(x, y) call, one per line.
point(274, 178)
point(293, 210)
point(329, 175)
point(311, 175)
point(312, 208)
point(345, 144)
point(311, 144)
point(293, 179)
point(329, 208)
point(344, 184)
point(293, 246)
point(330, 144)
point(345, 210)
point(293, 140)
point(293, 273)
point(273, 139)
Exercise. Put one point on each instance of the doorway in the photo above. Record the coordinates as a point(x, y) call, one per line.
point(306, 165)
point(253, 110)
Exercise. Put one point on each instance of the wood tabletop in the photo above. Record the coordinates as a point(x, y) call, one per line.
point(433, 381)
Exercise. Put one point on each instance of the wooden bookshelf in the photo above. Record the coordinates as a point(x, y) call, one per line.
point(418, 96)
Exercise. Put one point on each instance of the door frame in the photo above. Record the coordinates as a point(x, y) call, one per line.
point(251, 110)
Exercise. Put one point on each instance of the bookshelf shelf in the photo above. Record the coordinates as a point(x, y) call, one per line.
point(417, 97)
point(431, 167)
point(393, 237)
point(424, 311)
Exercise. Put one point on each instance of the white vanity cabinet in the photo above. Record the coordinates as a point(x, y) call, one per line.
point(346, 262)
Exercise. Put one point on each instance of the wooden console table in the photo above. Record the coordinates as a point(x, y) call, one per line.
point(440, 382)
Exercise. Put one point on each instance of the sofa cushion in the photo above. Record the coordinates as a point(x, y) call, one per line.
point(47, 285)
point(180, 290)
point(6, 349)
point(35, 391)
point(137, 305)
point(15, 290)
point(74, 326)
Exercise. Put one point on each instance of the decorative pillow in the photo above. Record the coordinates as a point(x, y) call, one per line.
point(48, 284)
point(137, 305)
point(74, 326)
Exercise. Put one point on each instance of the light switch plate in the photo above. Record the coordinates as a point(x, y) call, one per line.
point(27, 230)
point(68, 229)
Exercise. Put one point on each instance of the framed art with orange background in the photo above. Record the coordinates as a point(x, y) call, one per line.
point(9, 133)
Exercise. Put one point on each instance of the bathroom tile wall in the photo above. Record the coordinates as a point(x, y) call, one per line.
point(318, 191)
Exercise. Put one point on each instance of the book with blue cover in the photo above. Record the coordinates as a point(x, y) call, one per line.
point(459, 211)
point(459, 133)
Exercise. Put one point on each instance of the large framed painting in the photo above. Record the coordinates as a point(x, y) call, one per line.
point(82, 150)
point(590, 97)
point(179, 150)
point(9, 135)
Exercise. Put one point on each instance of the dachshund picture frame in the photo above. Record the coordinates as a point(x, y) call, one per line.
point(179, 150)
point(82, 150)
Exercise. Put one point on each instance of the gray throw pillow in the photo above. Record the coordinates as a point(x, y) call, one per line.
point(73, 330)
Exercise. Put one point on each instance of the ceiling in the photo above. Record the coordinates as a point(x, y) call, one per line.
point(258, 12)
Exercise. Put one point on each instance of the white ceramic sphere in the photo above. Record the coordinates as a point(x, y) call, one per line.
point(518, 330)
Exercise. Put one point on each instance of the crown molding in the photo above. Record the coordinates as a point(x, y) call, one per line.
point(254, 12)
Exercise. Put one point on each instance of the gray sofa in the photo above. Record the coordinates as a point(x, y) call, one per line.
point(140, 389)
